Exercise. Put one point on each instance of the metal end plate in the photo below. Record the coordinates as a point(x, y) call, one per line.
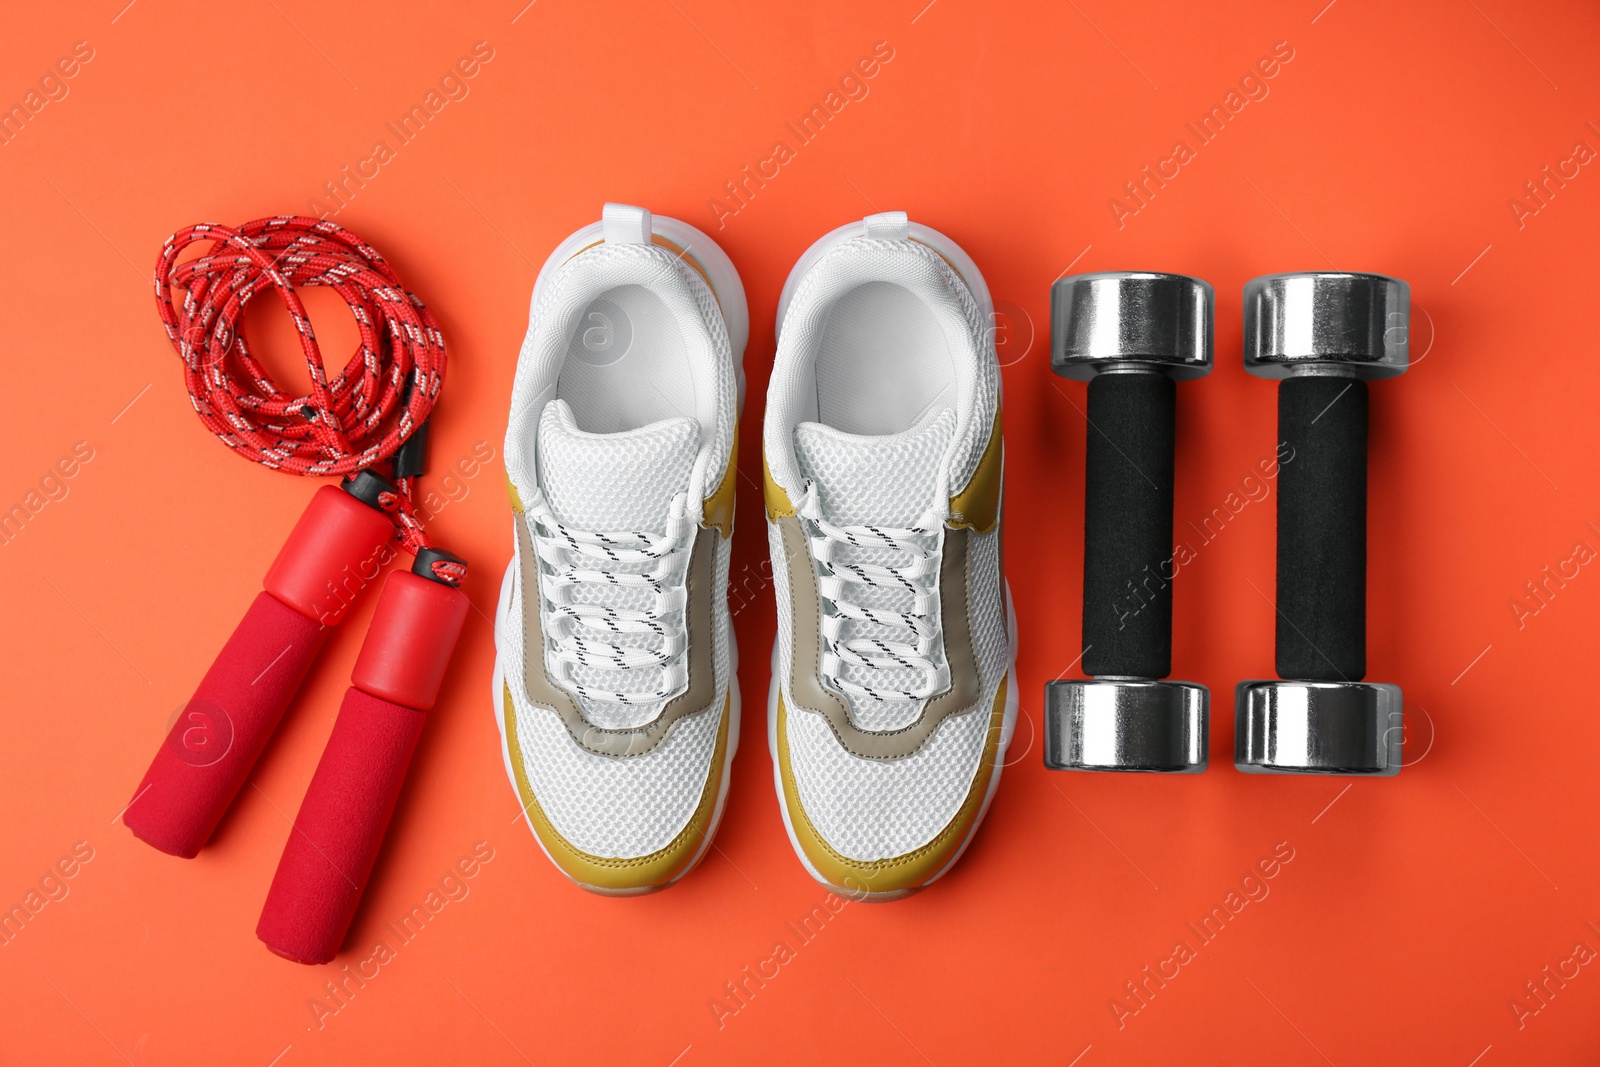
point(1317, 728)
point(1328, 323)
point(1131, 320)
point(1106, 725)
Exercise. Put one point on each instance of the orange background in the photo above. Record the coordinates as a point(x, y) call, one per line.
point(1414, 909)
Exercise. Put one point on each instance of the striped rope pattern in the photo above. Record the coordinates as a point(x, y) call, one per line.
point(342, 426)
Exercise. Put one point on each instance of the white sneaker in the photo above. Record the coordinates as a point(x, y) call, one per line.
point(892, 700)
point(614, 683)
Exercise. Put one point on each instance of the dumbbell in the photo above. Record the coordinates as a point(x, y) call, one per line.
point(1132, 336)
point(1324, 335)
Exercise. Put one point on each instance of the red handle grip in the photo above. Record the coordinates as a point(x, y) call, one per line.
point(346, 811)
point(222, 730)
point(340, 828)
point(215, 742)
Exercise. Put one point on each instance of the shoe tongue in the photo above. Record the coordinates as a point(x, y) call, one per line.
point(611, 482)
point(887, 480)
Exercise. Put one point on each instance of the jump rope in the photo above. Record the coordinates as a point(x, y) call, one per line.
point(369, 425)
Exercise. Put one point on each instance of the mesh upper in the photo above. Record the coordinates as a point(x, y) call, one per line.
point(606, 805)
point(616, 807)
point(612, 807)
point(877, 809)
point(874, 809)
point(614, 482)
point(620, 807)
point(889, 480)
point(557, 315)
point(915, 266)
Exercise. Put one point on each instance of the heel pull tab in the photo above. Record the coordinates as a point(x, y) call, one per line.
point(624, 224)
point(888, 226)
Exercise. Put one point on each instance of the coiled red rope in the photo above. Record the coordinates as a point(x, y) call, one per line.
point(353, 422)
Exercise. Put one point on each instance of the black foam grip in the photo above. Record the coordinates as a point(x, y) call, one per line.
point(1127, 535)
point(1322, 529)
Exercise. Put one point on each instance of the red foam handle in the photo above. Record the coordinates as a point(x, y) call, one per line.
point(211, 748)
point(220, 734)
point(340, 828)
point(346, 811)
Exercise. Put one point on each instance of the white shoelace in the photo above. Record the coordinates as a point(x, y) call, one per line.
point(589, 633)
point(908, 571)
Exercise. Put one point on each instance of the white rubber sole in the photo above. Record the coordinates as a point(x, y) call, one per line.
point(1008, 726)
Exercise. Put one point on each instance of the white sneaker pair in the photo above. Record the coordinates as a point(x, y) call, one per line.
point(615, 688)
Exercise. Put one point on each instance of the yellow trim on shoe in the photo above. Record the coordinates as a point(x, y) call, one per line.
point(776, 497)
point(896, 875)
point(604, 874)
point(719, 505)
point(977, 507)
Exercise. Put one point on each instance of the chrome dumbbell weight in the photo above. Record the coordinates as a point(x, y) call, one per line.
point(1325, 335)
point(1132, 336)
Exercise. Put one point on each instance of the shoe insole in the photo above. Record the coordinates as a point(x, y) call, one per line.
point(627, 364)
point(882, 361)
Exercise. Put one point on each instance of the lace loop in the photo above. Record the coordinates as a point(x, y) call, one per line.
point(886, 578)
point(587, 576)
